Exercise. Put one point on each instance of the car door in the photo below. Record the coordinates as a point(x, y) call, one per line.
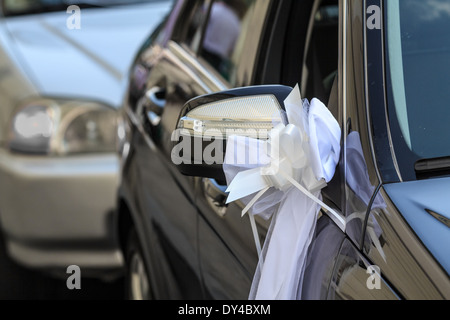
point(226, 247)
point(166, 76)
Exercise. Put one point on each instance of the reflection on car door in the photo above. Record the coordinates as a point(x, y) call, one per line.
point(227, 251)
point(168, 197)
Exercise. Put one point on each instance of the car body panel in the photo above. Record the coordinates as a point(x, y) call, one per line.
point(403, 259)
point(425, 207)
point(79, 188)
point(159, 210)
point(152, 146)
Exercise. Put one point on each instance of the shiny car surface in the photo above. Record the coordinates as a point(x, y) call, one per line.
point(377, 65)
point(60, 91)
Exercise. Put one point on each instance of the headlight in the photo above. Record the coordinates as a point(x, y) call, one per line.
point(60, 127)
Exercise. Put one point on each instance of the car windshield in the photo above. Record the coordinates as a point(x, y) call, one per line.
point(418, 69)
point(21, 7)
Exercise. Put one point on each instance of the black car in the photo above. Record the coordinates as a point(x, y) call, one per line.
point(379, 66)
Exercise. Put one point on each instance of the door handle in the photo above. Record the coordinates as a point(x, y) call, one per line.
point(155, 101)
point(215, 195)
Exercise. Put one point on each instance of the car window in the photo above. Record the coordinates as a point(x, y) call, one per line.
point(225, 34)
point(189, 28)
point(418, 51)
point(321, 63)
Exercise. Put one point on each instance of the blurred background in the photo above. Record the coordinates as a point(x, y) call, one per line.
point(63, 74)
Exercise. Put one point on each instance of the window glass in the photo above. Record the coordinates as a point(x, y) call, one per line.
point(190, 23)
point(225, 34)
point(418, 51)
point(322, 56)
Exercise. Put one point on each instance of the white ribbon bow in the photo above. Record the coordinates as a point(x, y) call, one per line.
point(293, 166)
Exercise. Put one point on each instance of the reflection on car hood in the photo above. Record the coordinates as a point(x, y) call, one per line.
point(91, 62)
point(426, 207)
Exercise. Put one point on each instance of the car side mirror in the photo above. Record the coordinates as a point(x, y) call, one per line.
point(206, 122)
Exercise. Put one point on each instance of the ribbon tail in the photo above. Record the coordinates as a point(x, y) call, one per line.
point(330, 212)
point(252, 202)
point(253, 224)
point(256, 238)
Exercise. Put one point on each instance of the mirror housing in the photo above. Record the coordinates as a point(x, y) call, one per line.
point(206, 122)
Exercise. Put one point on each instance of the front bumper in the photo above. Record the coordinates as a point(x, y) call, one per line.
point(59, 211)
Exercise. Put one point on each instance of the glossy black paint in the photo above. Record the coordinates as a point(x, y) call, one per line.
point(196, 246)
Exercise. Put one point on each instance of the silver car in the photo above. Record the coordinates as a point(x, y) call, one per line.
point(63, 71)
